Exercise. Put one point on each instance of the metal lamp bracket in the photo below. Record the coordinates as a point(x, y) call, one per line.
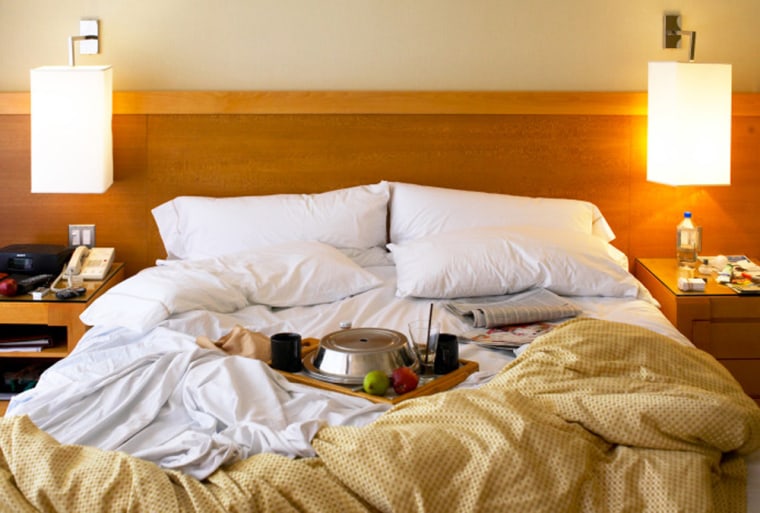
point(672, 34)
point(89, 35)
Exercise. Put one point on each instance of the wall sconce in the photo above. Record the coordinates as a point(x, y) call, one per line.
point(689, 118)
point(71, 110)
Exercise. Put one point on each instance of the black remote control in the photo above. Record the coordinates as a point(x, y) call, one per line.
point(31, 282)
point(70, 293)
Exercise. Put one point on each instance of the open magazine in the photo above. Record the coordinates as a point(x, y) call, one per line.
point(744, 276)
point(508, 337)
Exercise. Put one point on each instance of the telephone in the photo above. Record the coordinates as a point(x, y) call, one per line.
point(90, 264)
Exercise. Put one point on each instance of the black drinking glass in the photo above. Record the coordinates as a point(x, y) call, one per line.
point(446, 354)
point(286, 351)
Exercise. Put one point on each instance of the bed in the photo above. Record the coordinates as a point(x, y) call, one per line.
point(611, 410)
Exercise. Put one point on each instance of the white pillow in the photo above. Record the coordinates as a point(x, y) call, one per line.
point(194, 227)
point(506, 260)
point(418, 211)
point(290, 274)
point(297, 273)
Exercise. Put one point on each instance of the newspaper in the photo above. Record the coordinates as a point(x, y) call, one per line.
point(512, 321)
point(525, 307)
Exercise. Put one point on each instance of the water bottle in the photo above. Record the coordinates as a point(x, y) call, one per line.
point(688, 242)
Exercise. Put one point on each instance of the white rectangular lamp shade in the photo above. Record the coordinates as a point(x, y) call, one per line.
point(689, 123)
point(71, 109)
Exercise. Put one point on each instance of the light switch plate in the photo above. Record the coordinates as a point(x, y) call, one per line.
point(89, 28)
point(82, 235)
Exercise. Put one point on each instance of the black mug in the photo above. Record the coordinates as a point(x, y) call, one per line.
point(446, 354)
point(286, 351)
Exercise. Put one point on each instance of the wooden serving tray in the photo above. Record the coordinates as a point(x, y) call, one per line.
point(437, 384)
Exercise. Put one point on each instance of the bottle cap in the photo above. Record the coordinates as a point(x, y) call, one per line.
point(687, 214)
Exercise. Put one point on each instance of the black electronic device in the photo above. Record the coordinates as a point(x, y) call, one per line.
point(34, 258)
point(27, 283)
point(70, 293)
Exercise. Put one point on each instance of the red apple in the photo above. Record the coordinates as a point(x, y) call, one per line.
point(8, 287)
point(404, 380)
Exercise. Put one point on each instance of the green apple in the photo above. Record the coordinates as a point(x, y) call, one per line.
point(376, 382)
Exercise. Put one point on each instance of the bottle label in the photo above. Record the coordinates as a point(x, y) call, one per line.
point(687, 245)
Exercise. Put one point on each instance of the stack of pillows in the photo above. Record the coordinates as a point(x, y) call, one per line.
point(301, 249)
point(446, 243)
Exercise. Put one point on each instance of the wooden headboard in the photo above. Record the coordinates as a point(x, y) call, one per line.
point(588, 146)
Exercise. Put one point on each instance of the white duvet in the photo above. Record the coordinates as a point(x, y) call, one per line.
point(161, 398)
point(158, 396)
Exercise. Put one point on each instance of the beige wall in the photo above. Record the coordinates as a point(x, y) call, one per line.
point(591, 45)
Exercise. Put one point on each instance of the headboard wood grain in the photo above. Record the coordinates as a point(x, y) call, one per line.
point(588, 146)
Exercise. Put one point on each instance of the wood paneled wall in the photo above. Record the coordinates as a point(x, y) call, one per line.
point(588, 146)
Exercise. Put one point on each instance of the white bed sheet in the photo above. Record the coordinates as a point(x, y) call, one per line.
point(381, 308)
point(159, 397)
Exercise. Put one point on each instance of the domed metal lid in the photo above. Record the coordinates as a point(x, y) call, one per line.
point(346, 356)
point(362, 340)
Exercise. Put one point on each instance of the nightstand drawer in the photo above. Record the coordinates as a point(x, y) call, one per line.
point(717, 320)
point(735, 307)
point(731, 339)
point(746, 372)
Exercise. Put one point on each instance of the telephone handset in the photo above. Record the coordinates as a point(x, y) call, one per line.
point(75, 263)
point(90, 264)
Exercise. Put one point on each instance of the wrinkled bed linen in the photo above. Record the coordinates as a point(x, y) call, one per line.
point(163, 399)
point(158, 396)
point(594, 416)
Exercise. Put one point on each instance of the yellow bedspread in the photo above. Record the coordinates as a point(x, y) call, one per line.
point(594, 416)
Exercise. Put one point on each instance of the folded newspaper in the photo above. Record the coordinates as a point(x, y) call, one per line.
point(512, 320)
point(531, 306)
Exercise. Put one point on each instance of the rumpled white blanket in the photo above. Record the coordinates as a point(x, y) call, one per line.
point(161, 398)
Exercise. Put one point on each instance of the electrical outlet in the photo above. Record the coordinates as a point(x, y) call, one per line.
point(82, 235)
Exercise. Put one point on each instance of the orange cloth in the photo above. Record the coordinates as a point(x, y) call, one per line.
point(240, 341)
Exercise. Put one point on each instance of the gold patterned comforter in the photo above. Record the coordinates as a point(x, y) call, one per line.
point(594, 416)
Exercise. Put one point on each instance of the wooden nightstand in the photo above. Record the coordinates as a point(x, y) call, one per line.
point(60, 317)
point(718, 320)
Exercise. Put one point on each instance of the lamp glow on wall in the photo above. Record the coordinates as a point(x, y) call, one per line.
point(71, 110)
point(689, 122)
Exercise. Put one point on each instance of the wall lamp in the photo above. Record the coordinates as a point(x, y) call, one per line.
point(71, 110)
point(689, 117)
